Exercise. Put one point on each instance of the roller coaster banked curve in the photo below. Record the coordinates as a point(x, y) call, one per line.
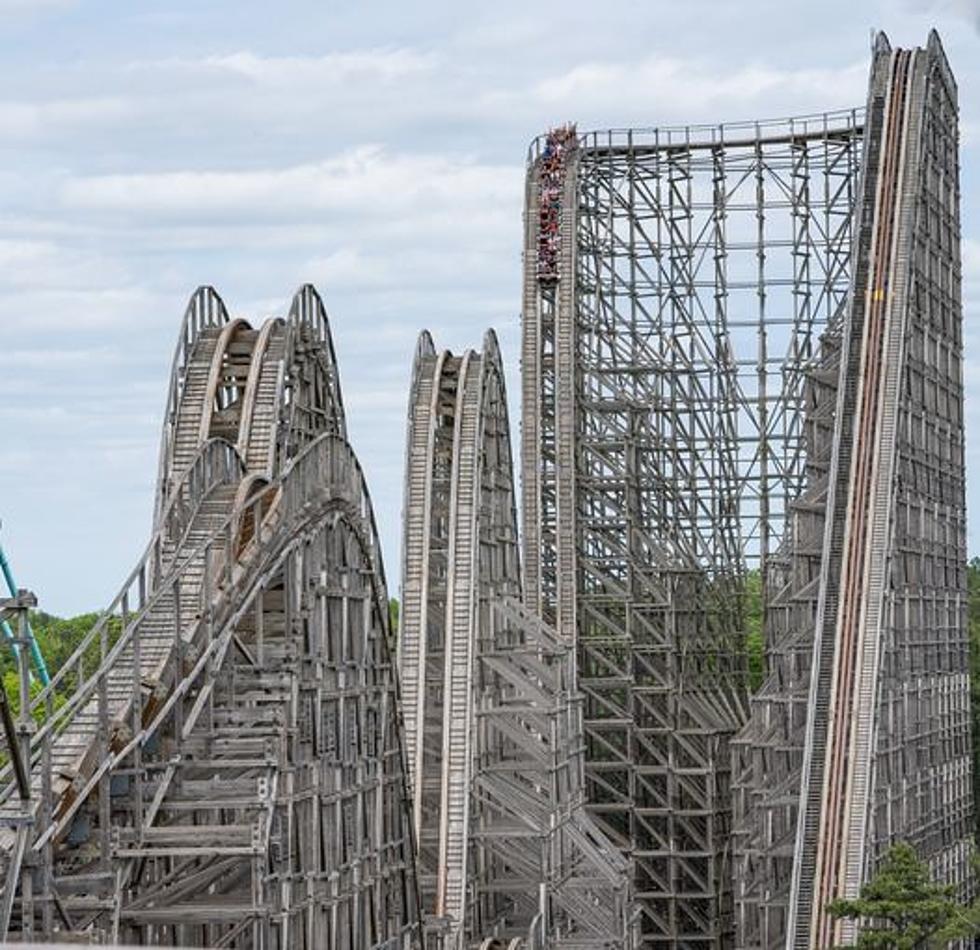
point(229, 770)
point(492, 721)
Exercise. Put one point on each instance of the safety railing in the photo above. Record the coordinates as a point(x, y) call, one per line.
point(217, 463)
point(204, 309)
point(726, 135)
point(325, 467)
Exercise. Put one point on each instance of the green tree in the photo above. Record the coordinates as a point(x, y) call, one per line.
point(901, 905)
point(973, 629)
point(755, 642)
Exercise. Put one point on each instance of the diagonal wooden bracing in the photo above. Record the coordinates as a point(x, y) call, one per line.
point(741, 367)
point(492, 724)
point(663, 369)
point(228, 771)
point(741, 364)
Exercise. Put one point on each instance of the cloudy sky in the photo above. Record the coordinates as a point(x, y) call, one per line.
point(375, 149)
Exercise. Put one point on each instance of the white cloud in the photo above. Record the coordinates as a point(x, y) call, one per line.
point(346, 266)
point(432, 265)
point(21, 119)
point(43, 358)
point(691, 90)
point(40, 310)
point(965, 9)
point(385, 65)
point(15, 461)
point(32, 6)
point(48, 266)
point(375, 92)
point(365, 180)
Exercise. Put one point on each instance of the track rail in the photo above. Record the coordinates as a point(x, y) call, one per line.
point(861, 577)
point(833, 721)
point(239, 688)
point(874, 589)
point(492, 722)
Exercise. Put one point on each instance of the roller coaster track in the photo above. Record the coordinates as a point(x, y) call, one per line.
point(741, 365)
point(741, 381)
point(855, 739)
point(492, 725)
point(875, 580)
point(228, 770)
point(841, 718)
